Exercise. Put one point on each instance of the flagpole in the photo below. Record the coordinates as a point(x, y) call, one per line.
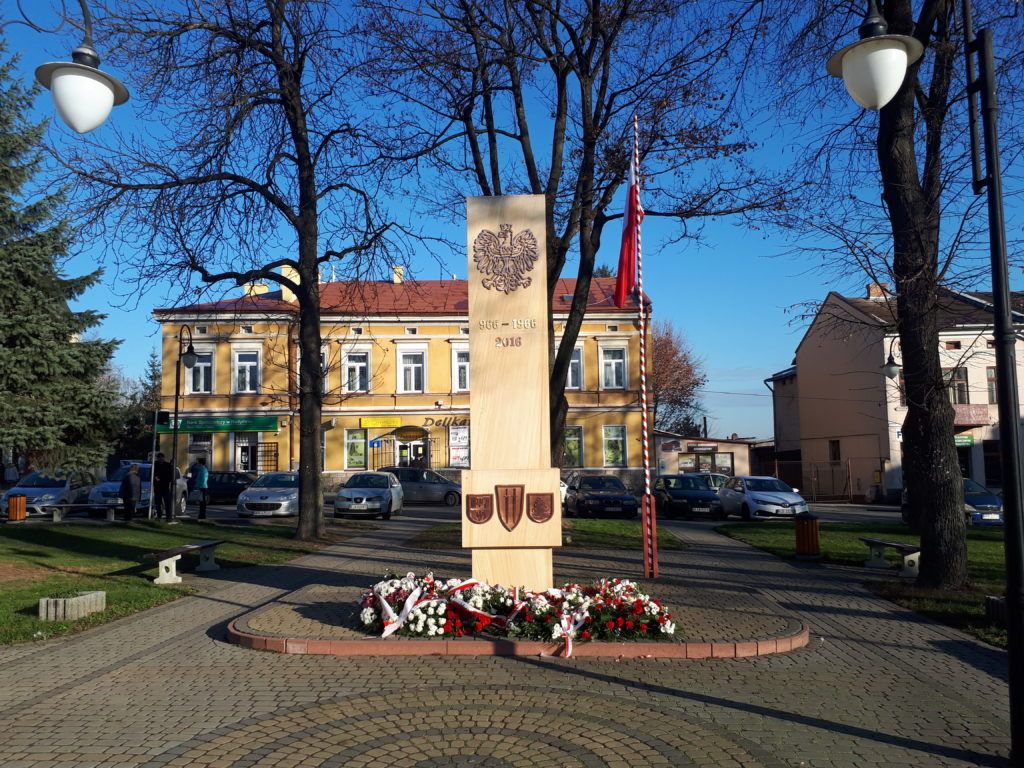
point(648, 515)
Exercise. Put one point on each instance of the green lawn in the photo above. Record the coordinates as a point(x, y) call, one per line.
point(841, 544)
point(585, 534)
point(59, 560)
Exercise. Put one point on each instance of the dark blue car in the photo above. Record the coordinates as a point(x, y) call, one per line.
point(981, 506)
point(686, 495)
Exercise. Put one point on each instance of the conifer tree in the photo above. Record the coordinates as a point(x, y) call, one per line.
point(55, 405)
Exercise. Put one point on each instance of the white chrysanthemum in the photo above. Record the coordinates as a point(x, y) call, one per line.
point(668, 628)
point(368, 616)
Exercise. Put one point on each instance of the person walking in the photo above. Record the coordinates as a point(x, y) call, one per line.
point(131, 491)
point(163, 480)
point(199, 474)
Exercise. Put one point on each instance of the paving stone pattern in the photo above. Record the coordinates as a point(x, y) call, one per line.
point(876, 687)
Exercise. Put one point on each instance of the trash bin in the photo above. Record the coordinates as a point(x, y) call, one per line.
point(15, 508)
point(807, 545)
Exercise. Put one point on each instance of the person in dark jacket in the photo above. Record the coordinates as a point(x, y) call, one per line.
point(131, 491)
point(163, 480)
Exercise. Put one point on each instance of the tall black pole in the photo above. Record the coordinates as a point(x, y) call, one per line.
point(1006, 364)
point(169, 514)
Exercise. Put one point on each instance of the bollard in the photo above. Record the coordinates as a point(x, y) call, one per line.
point(808, 547)
point(15, 508)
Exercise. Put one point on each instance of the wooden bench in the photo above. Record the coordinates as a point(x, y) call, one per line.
point(910, 553)
point(167, 572)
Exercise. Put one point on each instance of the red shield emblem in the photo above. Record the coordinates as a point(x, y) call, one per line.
point(540, 507)
point(479, 507)
point(510, 504)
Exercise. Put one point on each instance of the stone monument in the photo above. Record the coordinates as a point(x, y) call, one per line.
point(511, 504)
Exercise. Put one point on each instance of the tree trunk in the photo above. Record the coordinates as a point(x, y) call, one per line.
point(311, 519)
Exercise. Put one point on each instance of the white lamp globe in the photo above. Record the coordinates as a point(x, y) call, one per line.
point(83, 95)
point(873, 68)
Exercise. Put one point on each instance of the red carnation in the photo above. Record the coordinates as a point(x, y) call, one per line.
point(620, 621)
point(588, 621)
point(610, 624)
point(585, 635)
point(629, 625)
point(643, 627)
point(661, 619)
point(529, 617)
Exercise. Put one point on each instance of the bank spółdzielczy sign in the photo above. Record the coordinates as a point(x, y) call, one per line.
point(222, 424)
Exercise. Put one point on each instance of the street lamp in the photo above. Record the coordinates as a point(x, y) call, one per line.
point(186, 356)
point(82, 94)
point(983, 83)
point(891, 369)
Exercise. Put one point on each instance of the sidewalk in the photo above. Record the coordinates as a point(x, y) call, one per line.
point(877, 686)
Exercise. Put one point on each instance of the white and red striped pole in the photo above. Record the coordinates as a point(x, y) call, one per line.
point(648, 515)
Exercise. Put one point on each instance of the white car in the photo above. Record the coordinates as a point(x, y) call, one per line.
point(45, 489)
point(107, 494)
point(370, 493)
point(753, 497)
point(274, 494)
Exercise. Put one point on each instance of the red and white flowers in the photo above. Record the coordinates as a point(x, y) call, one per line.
point(610, 610)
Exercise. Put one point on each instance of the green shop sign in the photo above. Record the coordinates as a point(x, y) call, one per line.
point(963, 440)
point(222, 424)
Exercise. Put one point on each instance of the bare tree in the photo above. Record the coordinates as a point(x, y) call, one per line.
point(247, 166)
point(538, 97)
point(675, 376)
point(921, 235)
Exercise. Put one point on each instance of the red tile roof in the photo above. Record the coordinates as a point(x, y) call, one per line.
point(419, 297)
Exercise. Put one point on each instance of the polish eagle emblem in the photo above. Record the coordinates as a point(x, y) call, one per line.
point(504, 258)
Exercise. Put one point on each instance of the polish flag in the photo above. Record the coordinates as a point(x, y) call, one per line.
point(625, 280)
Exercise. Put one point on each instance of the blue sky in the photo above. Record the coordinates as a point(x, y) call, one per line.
point(732, 295)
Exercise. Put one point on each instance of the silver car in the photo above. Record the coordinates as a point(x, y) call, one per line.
point(753, 497)
point(107, 495)
point(274, 494)
point(44, 490)
point(370, 493)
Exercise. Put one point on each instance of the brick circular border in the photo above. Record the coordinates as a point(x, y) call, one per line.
point(797, 637)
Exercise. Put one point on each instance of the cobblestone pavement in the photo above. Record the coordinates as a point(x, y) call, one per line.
point(876, 687)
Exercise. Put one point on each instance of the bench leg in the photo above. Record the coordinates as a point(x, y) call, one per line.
point(877, 557)
point(206, 561)
point(110, 514)
point(167, 571)
point(910, 565)
point(58, 514)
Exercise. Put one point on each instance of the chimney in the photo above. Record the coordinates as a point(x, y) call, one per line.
point(878, 291)
point(290, 272)
point(255, 289)
point(398, 275)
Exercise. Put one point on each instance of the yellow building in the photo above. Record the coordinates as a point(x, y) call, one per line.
point(397, 387)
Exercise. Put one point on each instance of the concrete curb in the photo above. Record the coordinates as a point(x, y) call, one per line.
point(787, 641)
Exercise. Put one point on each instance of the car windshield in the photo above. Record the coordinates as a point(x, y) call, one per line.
point(602, 484)
point(42, 480)
point(687, 484)
point(277, 480)
point(972, 487)
point(367, 481)
point(767, 484)
point(118, 476)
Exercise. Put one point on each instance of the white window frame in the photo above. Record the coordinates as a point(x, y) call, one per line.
point(203, 349)
point(604, 443)
point(410, 349)
point(625, 367)
point(325, 360)
point(456, 350)
point(568, 378)
point(366, 447)
point(356, 349)
point(241, 349)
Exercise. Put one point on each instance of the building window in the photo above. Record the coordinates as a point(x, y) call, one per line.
point(993, 463)
point(410, 372)
point(357, 372)
point(612, 328)
point(464, 330)
point(951, 344)
point(324, 369)
point(833, 450)
point(613, 368)
point(575, 379)
point(461, 372)
point(200, 378)
point(355, 449)
point(956, 381)
point(201, 330)
point(357, 331)
point(248, 329)
point(990, 376)
point(614, 446)
point(200, 442)
point(573, 455)
point(247, 371)
point(411, 331)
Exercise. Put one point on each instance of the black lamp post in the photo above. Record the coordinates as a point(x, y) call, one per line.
point(866, 76)
point(187, 356)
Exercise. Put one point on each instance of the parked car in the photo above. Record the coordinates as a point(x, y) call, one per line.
point(753, 497)
point(599, 496)
point(685, 495)
point(108, 493)
point(50, 488)
point(273, 494)
point(225, 487)
point(981, 506)
point(425, 485)
point(715, 479)
point(370, 493)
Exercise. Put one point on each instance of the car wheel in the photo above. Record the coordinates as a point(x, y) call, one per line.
point(745, 513)
point(182, 505)
point(386, 514)
point(451, 498)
